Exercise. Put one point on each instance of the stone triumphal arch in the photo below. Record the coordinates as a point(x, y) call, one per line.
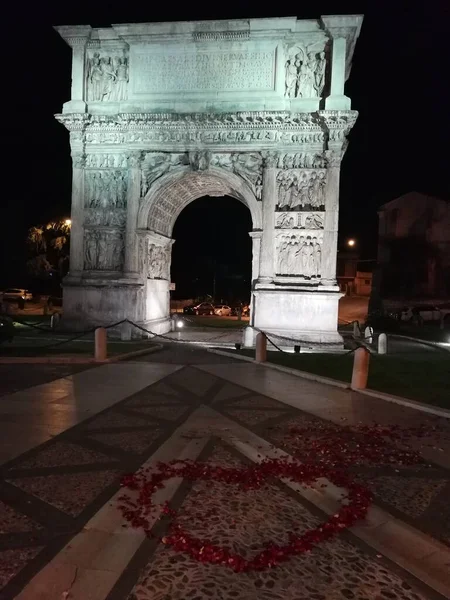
point(163, 113)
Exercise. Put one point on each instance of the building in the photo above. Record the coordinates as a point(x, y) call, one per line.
point(414, 247)
point(353, 281)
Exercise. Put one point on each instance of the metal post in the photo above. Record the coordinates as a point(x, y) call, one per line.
point(100, 344)
point(382, 343)
point(261, 348)
point(360, 372)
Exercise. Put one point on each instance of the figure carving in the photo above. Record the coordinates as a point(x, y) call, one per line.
point(285, 221)
point(300, 256)
point(107, 78)
point(199, 160)
point(103, 250)
point(155, 165)
point(158, 262)
point(305, 73)
point(249, 166)
point(105, 189)
point(313, 221)
point(103, 161)
point(301, 190)
point(90, 250)
point(302, 160)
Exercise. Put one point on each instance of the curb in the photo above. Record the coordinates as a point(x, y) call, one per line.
point(74, 360)
point(303, 374)
point(414, 404)
point(437, 345)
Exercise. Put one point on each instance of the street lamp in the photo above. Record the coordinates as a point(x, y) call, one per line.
point(68, 222)
point(351, 243)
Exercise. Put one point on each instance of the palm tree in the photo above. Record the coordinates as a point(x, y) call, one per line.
point(49, 247)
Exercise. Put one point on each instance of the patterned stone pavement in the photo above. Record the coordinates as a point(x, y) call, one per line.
point(48, 494)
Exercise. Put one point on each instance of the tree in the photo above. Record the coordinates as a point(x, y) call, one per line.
point(48, 246)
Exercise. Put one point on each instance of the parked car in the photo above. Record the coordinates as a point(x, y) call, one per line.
point(421, 313)
point(6, 330)
point(242, 308)
point(222, 310)
point(16, 294)
point(204, 308)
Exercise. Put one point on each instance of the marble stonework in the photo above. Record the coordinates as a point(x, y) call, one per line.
point(163, 113)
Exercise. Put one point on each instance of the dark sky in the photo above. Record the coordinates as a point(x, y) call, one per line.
point(399, 85)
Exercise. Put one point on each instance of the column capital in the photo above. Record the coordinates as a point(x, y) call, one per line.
point(78, 160)
point(270, 159)
point(135, 159)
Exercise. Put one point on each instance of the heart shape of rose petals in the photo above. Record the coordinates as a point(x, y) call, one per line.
point(146, 483)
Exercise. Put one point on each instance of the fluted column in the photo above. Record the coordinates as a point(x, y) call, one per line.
point(331, 223)
point(77, 216)
point(133, 195)
point(269, 201)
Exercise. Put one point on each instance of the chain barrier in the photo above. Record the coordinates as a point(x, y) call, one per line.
point(153, 334)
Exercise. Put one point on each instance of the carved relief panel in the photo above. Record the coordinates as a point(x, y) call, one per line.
point(157, 164)
point(104, 249)
point(105, 197)
point(248, 165)
point(305, 71)
point(301, 190)
point(300, 255)
point(300, 220)
point(158, 262)
point(107, 75)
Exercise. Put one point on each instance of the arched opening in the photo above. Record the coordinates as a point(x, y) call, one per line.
point(212, 252)
point(169, 196)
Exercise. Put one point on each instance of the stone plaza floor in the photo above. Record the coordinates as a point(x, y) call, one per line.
point(69, 438)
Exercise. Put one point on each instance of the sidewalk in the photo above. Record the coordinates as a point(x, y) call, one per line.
point(63, 534)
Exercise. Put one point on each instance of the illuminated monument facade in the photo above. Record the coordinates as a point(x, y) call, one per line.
point(163, 113)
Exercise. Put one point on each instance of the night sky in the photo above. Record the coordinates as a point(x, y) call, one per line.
point(399, 85)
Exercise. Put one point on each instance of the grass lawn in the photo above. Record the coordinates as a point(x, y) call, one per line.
point(423, 376)
point(214, 321)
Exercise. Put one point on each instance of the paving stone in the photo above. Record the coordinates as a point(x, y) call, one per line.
point(71, 493)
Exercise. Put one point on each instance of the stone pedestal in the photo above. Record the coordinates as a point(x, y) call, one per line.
point(303, 316)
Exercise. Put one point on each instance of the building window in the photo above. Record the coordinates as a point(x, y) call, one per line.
point(366, 281)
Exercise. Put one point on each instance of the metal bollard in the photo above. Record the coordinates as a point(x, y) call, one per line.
point(368, 334)
point(360, 372)
point(249, 337)
point(100, 344)
point(54, 320)
point(261, 348)
point(382, 343)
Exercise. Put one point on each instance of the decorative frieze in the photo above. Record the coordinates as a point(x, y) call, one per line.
point(301, 160)
point(300, 220)
point(264, 129)
point(106, 161)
